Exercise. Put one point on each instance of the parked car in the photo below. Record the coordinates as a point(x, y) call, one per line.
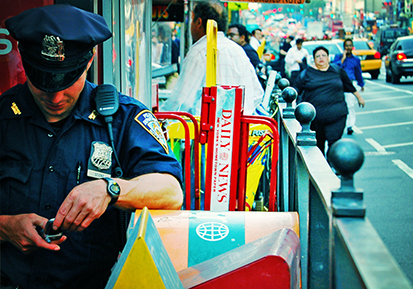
point(385, 37)
point(370, 58)
point(332, 46)
point(399, 60)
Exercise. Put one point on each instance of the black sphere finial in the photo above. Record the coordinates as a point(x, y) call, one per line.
point(283, 83)
point(289, 94)
point(346, 157)
point(305, 113)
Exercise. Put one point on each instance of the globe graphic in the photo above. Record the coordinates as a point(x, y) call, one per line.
point(211, 231)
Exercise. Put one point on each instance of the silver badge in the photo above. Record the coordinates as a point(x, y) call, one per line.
point(102, 156)
point(53, 48)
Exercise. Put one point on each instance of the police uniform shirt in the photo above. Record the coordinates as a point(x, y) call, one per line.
point(38, 168)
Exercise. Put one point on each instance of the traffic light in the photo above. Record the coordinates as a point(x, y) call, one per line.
point(389, 3)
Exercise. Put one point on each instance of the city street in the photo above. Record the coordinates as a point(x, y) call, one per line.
point(384, 130)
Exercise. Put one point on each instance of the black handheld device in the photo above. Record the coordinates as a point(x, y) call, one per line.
point(107, 104)
point(48, 234)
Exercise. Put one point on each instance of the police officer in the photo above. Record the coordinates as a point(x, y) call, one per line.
point(57, 160)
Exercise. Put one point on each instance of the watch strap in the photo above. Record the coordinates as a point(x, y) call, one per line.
point(109, 189)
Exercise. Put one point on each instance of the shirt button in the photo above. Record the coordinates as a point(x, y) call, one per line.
point(47, 206)
point(51, 169)
point(50, 134)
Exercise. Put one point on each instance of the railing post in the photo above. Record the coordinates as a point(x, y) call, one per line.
point(284, 160)
point(283, 164)
point(289, 94)
point(304, 113)
point(346, 157)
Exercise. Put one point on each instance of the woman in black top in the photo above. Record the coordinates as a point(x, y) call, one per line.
point(323, 86)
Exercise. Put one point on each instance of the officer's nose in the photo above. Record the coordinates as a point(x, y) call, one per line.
point(55, 97)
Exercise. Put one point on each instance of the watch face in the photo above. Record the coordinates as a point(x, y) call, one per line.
point(115, 188)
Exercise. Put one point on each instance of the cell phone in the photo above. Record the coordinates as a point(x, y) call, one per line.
point(348, 54)
point(48, 234)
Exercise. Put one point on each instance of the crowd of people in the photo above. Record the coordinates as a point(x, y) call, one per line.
point(329, 87)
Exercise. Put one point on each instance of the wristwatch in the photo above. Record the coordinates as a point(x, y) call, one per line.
point(113, 190)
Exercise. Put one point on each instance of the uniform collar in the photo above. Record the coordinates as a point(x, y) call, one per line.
point(20, 104)
point(86, 108)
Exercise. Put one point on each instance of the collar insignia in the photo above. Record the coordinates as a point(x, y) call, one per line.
point(93, 115)
point(150, 123)
point(53, 48)
point(15, 109)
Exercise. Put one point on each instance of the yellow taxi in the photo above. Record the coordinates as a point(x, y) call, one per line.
point(370, 59)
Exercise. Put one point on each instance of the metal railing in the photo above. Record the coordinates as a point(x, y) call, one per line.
point(339, 246)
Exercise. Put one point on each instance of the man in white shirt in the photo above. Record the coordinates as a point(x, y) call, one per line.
point(294, 58)
point(256, 36)
point(234, 67)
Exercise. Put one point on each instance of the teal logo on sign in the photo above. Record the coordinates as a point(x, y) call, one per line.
point(213, 234)
point(212, 231)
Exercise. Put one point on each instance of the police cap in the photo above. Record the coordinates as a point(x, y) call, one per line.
point(56, 43)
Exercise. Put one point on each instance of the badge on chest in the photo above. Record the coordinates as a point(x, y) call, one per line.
point(100, 160)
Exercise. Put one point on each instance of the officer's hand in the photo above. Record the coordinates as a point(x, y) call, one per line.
point(20, 230)
point(85, 203)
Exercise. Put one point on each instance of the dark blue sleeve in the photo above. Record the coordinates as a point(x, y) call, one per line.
point(358, 74)
point(144, 148)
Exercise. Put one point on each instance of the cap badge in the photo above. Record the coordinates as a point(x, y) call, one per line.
point(53, 48)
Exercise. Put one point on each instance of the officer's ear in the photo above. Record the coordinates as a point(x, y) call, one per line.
point(91, 59)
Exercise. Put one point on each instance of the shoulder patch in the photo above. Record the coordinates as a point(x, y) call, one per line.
point(150, 123)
